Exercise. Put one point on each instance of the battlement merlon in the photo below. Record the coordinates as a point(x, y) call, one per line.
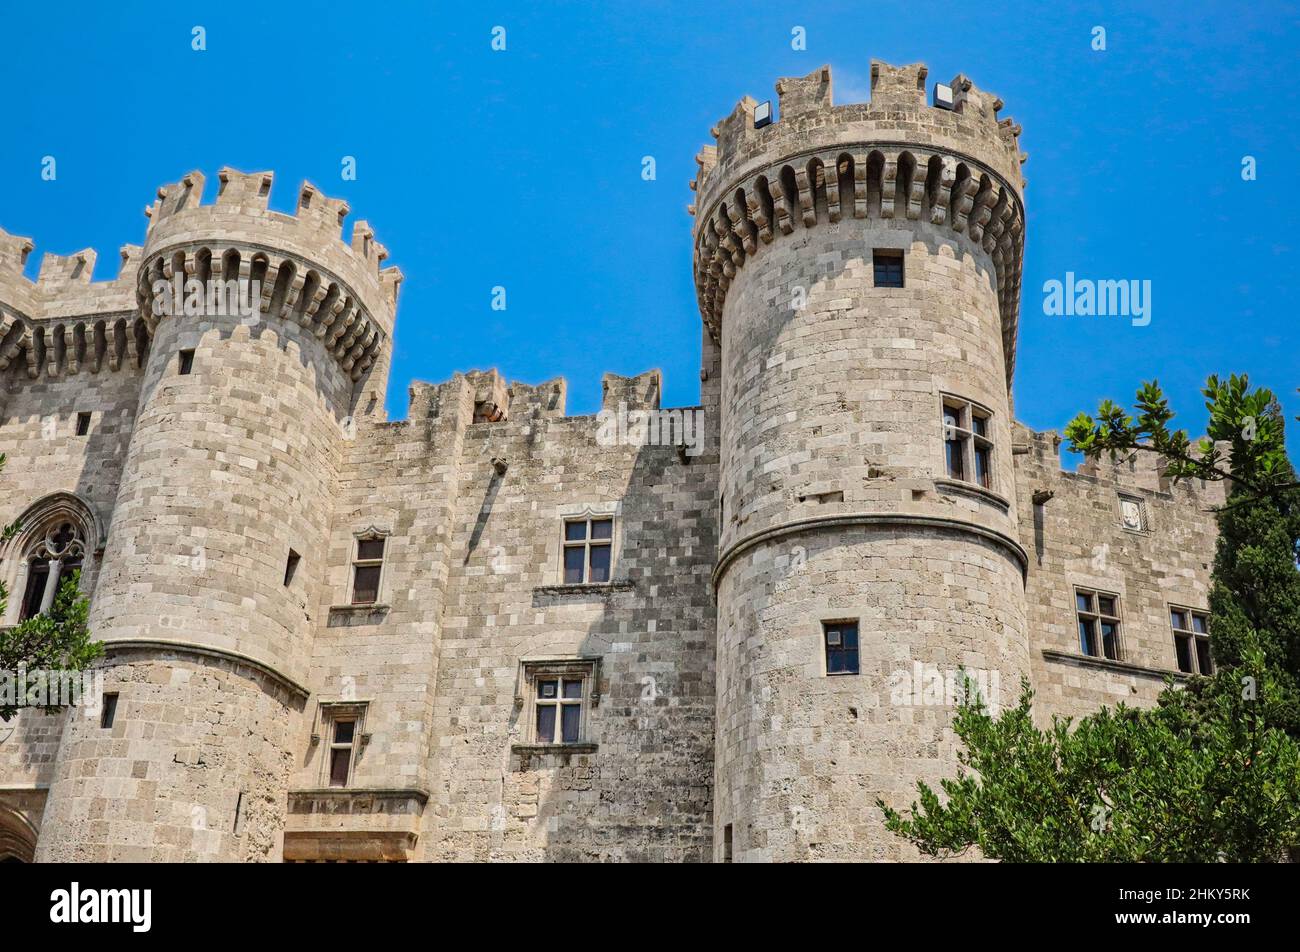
point(898, 112)
point(63, 289)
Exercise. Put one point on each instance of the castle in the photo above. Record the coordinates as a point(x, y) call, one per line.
point(486, 632)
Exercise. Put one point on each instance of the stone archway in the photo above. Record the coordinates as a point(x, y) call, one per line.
point(17, 837)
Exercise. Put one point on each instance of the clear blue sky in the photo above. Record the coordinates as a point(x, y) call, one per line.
point(523, 168)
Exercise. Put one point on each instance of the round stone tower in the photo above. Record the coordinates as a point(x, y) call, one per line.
point(263, 332)
point(859, 266)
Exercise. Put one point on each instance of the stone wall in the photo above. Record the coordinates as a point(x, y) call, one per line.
point(1076, 539)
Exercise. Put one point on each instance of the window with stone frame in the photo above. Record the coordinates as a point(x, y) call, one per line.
point(588, 549)
point(367, 579)
point(1099, 623)
point(841, 640)
point(342, 726)
point(967, 441)
point(1191, 640)
point(52, 556)
point(559, 695)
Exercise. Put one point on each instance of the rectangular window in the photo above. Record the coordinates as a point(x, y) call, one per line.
point(888, 267)
point(726, 843)
point(367, 570)
point(341, 744)
point(967, 442)
point(185, 362)
point(291, 567)
point(1098, 617)
point(557, 704)
point(841, 639)
point(108, 712)
point(588, 549)
point(83, 424)
point(1192, 640)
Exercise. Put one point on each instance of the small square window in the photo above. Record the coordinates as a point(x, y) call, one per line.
point(841, 639)
point(108, 713)
point(185, 362)
point(83, 424)
point(888, 266)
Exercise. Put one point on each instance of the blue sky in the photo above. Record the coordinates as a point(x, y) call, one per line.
point(522, 168)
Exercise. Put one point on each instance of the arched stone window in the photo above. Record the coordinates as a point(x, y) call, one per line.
point(17, 837)
point(54, 555)
point(56, 536)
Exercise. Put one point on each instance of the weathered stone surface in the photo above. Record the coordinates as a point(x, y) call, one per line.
point(819, 492)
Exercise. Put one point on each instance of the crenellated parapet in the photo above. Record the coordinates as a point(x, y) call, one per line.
point(65, 323)
point(895, 157)
point(305, 270)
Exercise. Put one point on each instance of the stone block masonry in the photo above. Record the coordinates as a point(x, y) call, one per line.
point(492, 631)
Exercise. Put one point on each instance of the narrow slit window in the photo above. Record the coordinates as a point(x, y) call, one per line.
point(185, 363)
point(83, 424)
point(291, 567)
point(108, 713)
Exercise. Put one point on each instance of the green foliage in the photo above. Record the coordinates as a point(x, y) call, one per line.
point(1197, 779)
point(1246, 421)
point(1213, 771)
point(56, 641)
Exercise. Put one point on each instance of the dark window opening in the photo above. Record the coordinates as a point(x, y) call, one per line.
point(186, 361)
point(341, 752)
point(588, 550)
point(367, 570)
point(1099, 624)
point(38, 578)
point(1192, 641)
point(559, 701)
point(841, 647)
point(291, 566)
point(888, 268)
point(83, 424)
point(726, 843)
point(109, 711)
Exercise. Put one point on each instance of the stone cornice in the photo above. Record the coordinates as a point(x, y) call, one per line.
point(852, 519)
point(207, 651)
point(878, 180)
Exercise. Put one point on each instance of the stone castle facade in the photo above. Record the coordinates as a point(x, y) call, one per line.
point(492, 632)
